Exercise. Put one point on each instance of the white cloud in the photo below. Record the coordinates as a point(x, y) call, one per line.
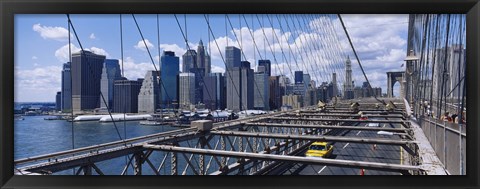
point(380, 41)
point(99, 51)
point(217, 69)
point(179, 51)
point(48, 32)
point(34, 57)
point(62, 54)
point(37, 84)
point(134, 70)
point(92, 36)
point(141, 45)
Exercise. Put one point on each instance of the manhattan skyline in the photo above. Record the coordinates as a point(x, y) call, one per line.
point(41, 45)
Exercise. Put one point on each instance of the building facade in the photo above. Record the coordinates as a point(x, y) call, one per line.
point(188, 60)
point(203, 59)
point(58, 101)
point(261, 89)
point(149, 95)
point(348, 85)
point(169, 71)
point(213, 95)
point(294, 101)
point(86, 73)
point(110, 72)
point(232, 57)
point(125, 94)
point(267, 65)
point(275, 100)
point(298, 76)
point(66, 88)
point(186, 90)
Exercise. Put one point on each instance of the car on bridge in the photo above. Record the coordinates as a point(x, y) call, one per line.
point(319, 149)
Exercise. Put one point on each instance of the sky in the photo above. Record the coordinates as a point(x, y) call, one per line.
point(316, 44)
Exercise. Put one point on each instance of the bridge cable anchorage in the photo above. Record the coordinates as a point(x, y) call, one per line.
point(358, 60)
point(91, 71)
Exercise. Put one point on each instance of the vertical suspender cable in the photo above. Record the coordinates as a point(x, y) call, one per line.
point(71, 96)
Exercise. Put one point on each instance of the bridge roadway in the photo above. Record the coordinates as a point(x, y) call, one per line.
point(258, 139)
point(356, 152)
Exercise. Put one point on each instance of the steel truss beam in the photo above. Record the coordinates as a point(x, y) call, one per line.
point(292, 159)
point(315, 138)
point(334, 114)
point(338, 120)
point(350, 112)
point(327, 127)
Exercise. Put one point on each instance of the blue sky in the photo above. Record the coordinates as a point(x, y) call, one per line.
point(41, 44)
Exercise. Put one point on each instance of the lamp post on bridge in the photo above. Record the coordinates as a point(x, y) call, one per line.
point(410, 76)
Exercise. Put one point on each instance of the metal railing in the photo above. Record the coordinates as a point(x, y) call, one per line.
point(449, 142)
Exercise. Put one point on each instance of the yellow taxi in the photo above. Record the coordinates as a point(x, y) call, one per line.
point(319, 149)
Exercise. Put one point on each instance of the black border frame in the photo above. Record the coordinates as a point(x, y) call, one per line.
point(10, 7)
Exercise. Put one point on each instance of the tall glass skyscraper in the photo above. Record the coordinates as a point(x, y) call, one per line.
point(86, 74)
point(169, 70)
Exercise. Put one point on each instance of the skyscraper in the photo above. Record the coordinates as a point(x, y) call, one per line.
point(58, 101)
point(196, 63)
point(233, 78)
point(306, 80)
point(261, 89)
point(186, 90)
point(125, 98)
point(267, 65)
point(110, 72)
point(86, 74)
point(66, 100)
point(213, 95)
point(247, 85)
point(348, 85)
point(203, 59)
point(149, 96)
point(240, 86)
point(298, 76)
point(334, 81)
point(189, 59)
point(169, 70)
point(232, 57)
point(275, 100)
